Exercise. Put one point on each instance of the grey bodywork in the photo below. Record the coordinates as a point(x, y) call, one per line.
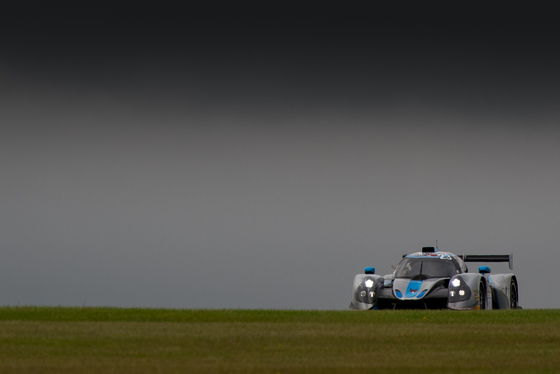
point(459, 289)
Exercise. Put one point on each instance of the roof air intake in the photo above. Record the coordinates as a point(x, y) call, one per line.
point(429, 249)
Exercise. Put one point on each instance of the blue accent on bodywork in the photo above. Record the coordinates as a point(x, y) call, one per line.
point(441, 256)
point(421, 294)
point(413, 288)
point(484, 270)
point(369, 270)
point(398, 293)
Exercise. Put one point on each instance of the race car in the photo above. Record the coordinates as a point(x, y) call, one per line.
point(432, 279)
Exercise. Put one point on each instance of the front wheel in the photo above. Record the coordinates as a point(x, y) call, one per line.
point(482, 296)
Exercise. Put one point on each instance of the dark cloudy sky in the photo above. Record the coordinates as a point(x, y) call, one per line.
point(240, 155)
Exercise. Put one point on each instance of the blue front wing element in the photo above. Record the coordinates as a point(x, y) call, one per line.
point(413, 288)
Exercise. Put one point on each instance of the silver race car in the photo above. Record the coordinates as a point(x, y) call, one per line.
point(432, 279)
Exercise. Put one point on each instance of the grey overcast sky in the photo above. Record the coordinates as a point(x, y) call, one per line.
point(240, 155)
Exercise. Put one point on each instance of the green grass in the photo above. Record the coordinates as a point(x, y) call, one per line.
point(113, 340)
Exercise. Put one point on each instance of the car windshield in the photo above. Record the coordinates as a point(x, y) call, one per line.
point(411, 267)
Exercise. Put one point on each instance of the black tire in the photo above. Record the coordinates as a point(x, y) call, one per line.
point(383, 304)
point(513, 295)
point(482, 295)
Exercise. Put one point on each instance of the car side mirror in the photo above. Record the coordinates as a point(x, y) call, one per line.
point(369, 270)
point(484, 270)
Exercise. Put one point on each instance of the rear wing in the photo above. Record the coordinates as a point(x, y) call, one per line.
point(488, 258)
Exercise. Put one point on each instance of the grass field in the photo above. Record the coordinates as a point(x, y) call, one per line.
point(112, 340)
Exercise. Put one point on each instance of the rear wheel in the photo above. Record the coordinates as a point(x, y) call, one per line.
point(513, 296)
point(482, 295)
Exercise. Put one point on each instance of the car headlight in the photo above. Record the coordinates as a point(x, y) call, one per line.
point(458, 291)
point(369, 283)
point(365, 296)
